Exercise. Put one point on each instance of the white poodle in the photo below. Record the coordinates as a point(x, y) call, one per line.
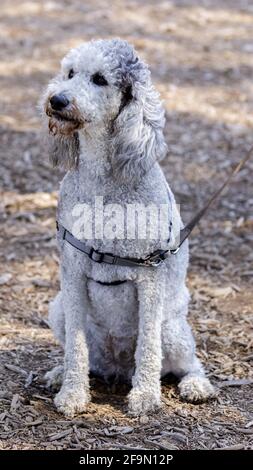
point(126, 322)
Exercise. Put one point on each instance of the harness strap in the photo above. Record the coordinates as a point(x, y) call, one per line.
point(152, 260)
point(113, 283)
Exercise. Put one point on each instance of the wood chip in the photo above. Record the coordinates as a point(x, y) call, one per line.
point(60, 435)
point(14, 402)
point(235, 383)
point(233, 447)
point(248, 358)
point(29, 379)
point(245, 431)
point(121, 429)
point(77, 422)
point(41, 398)
point(3, 416)
point(175, 435)
point(127, 447)
point(35, 423)
point(5, 278)
point(219, 291)
point(41, 283)
point(15, 369)
point(144, 419)
point(164, 444)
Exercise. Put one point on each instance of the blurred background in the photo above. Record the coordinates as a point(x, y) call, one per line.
point(201, 58)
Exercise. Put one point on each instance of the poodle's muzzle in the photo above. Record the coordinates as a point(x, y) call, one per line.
point(64, 116)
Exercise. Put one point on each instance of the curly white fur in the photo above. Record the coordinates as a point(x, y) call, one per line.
point(136, 331)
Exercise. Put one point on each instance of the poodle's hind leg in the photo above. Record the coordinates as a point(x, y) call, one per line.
point(56, 318)
point(179, 357)
point(53, 377)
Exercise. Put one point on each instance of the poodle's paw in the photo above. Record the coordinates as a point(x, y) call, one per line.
point(71, 401)
point(196, 389)
point(142, 402)
point(53, 378)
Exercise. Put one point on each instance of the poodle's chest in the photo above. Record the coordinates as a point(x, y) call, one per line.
point(113, 308)
point(112, 220)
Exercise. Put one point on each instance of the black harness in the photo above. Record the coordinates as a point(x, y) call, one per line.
point(152, 260)
point(156, 258)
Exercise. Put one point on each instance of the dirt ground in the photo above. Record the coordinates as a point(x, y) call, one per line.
point(201, 57)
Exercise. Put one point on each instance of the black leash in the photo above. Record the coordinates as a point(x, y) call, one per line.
point(186, 231)
point(156, 258)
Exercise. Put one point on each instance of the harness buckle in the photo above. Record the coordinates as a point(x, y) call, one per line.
point(96, 255)
point(155, 259)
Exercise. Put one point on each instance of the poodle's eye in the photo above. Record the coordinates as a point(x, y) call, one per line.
point(71, 74)
point(98, 79)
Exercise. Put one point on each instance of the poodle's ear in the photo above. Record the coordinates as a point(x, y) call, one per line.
point(137, 139)
point(64, 150)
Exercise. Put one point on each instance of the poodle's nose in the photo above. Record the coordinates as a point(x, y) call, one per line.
point(58, 102)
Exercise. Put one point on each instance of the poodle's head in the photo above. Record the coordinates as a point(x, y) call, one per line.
point(104, 85)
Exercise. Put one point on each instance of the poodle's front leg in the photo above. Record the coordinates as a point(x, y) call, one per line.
point(74, 394)
point(146, 392)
